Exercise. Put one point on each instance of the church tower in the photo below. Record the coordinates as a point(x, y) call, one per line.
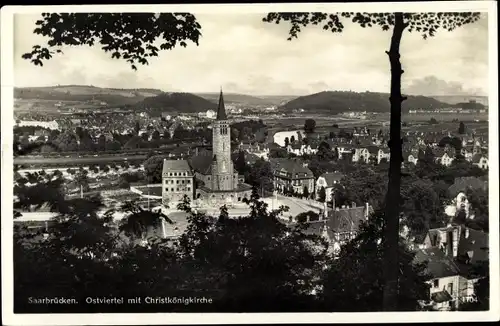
point(222, 165)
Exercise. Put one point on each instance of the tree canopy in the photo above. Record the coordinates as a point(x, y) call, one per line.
point(129, 36)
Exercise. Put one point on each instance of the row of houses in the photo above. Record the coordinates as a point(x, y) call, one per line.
point(376, 154)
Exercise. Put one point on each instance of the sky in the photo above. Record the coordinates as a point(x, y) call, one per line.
point(245, 55)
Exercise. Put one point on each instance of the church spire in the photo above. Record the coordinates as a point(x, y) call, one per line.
point(221, 110)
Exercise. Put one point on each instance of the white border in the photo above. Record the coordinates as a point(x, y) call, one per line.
point(220, 318)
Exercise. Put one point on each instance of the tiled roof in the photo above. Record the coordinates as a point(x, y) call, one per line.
point(332, 177)
point(346, 219)
point(463, 183)
point(475, 245)
point(175, 166)
point(438, 151)
point(202, 163)
point(293, 168)
point(372, 150)
point(438, 264)
point(476, 158)
point(472, 244)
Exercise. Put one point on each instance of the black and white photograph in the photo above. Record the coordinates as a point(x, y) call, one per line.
point(250, 158)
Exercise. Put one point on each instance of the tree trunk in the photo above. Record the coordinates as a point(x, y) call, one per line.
point(391, 227)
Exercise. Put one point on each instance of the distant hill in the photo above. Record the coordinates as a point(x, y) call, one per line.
point(455, 99)
point(278, 99)
point(176, 102)
point(232, 98)
point(470, 106)
point(79, 93)
point(339, 101)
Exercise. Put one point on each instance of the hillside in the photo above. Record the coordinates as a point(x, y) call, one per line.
point(452, 99)
point(78, 93)
point(278, 99)
point(335, 102)
point(232, 98)
point(176, 102)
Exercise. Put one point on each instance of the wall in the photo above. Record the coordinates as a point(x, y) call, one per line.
point(442, 284)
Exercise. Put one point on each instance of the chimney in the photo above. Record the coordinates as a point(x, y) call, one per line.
point(466, 233)
point(367, 211)
point(337, 209)
point(353, 204)
point(343, 206)
point(449, 243)
point(307, 218)
point(455, 242)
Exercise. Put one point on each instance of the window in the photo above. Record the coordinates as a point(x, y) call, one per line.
point(188, 181)
point(172, 189)
point(182, 181)
point(436, 283)
point(166, 189)
point(177, 181)
point(450, 288)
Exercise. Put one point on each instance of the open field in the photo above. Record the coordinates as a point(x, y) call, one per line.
point(444, 117)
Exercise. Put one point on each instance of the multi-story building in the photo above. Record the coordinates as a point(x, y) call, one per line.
point(177, 181)
point(292, 175)
point(450, 254)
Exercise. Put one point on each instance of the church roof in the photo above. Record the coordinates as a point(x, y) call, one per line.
point(202, 163)
point(221, 109)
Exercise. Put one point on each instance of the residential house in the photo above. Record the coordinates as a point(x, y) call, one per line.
point(383, 153)
point(291, 174)
point(467, 152)
point(344, 149)
point(373, 154)
point(448, 287)
point(294, 148)
point(450, 254)
point(256, 149)
point(340, 225)
point(444, 156)
point(343, 222)
point(301, 149)
point(480, 161)
point(328, 181)
point(457, 193)
point(361, 154)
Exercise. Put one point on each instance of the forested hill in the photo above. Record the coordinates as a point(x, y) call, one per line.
point(83, 93)
point(233, 98)
point(339, 101)
point(177, 102)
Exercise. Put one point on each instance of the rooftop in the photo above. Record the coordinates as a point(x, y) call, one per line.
point(175, 166)
point(438, 264)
